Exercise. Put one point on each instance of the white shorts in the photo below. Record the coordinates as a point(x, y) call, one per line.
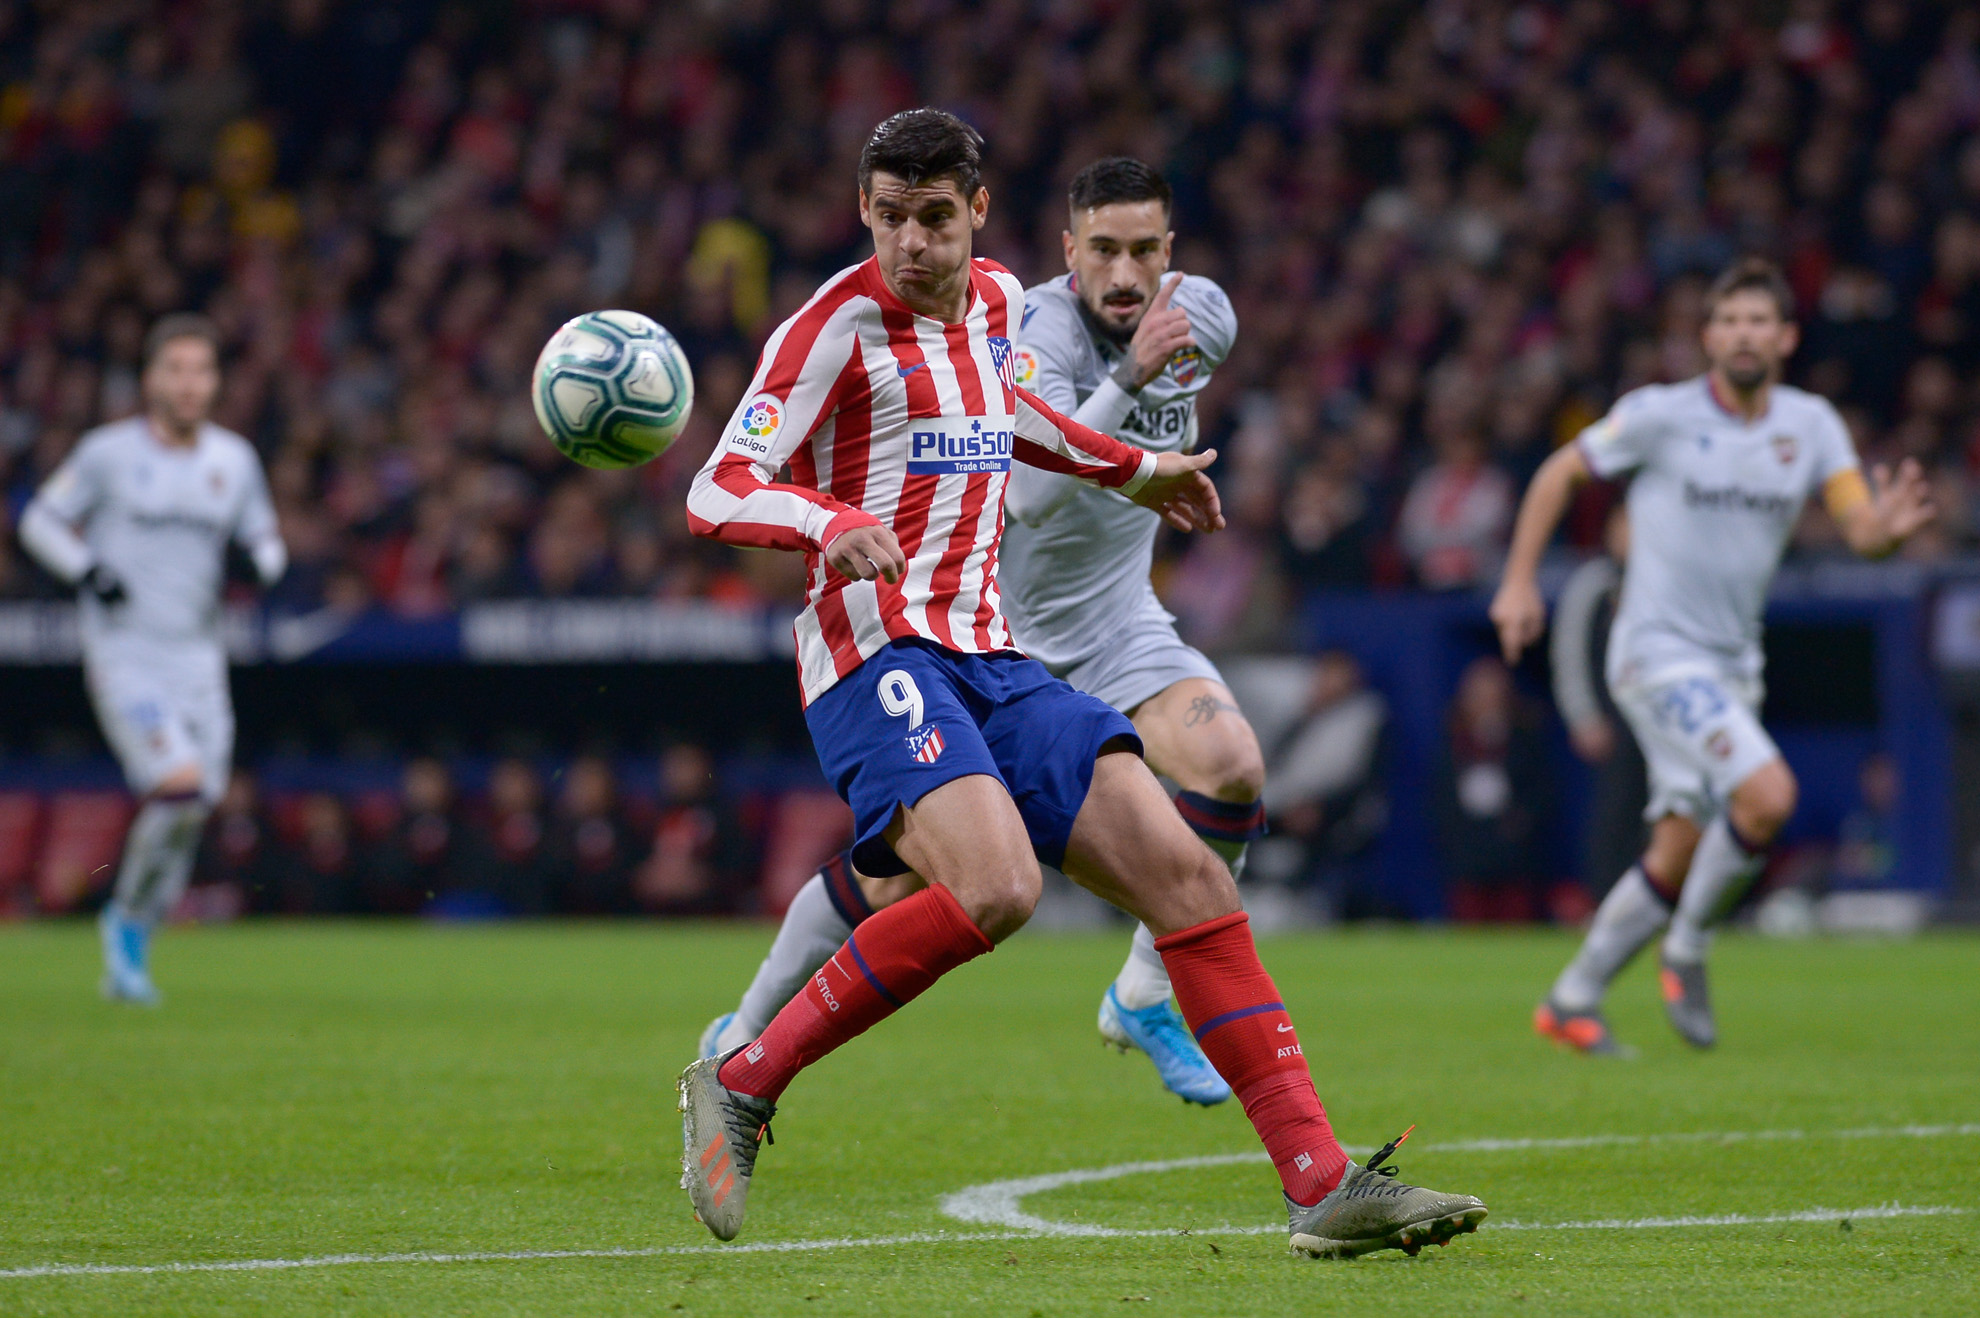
point(1701, 738)
point(163, 711)
point(1140, 661)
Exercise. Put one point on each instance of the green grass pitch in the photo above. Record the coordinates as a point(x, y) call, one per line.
point(319, 1090)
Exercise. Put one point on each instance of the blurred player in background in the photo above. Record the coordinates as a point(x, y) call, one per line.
point(138, 518)
point(1722, 465)
point(892, 399)
point(1121, 346)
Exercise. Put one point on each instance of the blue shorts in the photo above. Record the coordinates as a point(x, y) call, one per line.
point(915, 716)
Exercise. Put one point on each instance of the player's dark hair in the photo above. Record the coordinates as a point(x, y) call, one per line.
point(924, 146)
point(1754, 274)
point(180, 325)
point(1116, 179)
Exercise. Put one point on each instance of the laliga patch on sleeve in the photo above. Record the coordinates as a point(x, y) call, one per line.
point(1024, 366)
point(757, 426)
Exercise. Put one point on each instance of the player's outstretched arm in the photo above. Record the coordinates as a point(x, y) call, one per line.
point(1518, 612)
point(1182, 493)
point(1876, 522)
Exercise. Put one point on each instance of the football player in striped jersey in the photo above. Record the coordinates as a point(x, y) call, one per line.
point(891, 398)
point(1122, 345)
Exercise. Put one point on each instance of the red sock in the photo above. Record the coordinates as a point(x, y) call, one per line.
point(887, 963)
point(1242, 1026)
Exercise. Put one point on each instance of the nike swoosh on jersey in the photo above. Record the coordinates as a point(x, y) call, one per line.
point(906, 371)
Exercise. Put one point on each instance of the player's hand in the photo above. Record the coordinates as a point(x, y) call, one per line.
point(865, 552)
point(1594, 739)
point(1163, 332)
point(1904, 501)
point(106, 585)
point(1186, 498)
point(1519, 614)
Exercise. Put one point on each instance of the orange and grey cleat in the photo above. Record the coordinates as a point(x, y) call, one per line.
point(1688, 1001)
point(721, 1132)
point(1583, 1031)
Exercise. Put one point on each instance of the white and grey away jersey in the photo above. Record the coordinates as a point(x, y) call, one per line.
point(1711, 508)
point(1075, 562)
point(159, 518)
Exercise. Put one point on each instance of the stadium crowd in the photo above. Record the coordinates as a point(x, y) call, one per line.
point(1453, 231)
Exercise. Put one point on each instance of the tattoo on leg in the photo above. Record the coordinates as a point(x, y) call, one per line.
point(1204, 708)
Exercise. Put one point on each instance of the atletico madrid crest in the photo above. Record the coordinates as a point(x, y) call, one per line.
point(1000, 357)
point(925, 744)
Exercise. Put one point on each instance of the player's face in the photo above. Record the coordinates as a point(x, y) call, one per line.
point(182, 380)
point(922, 235)
point(1747, 339)
point(1119, 253)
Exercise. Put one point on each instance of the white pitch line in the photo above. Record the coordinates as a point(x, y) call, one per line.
point(921, 1238)
point(999, 1204)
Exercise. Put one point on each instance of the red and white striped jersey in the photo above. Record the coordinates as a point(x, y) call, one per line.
point(886, 417)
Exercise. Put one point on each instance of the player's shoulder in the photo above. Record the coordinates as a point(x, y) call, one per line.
point(1202, 293)
point(1650, 403)
point(998, 279)
point(231, 445)
point(112, 436)
point(1802, 404)
point(1051, 306)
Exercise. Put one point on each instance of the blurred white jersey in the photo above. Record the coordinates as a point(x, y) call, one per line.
point(1712, 506)
point(1076, 559)
point(159, 519)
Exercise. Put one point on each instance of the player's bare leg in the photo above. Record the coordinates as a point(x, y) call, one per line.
point(967, 838)
point(1129, 849)
point(1194, 734)
point(1727, 859)
point(156, 865)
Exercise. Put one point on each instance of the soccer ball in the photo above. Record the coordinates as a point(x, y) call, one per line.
point(612, 389)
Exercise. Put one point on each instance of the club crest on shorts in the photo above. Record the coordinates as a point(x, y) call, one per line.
point(1720, 744)
point(1001, 358)
point(925, 744)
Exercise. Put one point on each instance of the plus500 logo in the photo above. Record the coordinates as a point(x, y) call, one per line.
point(955, 449)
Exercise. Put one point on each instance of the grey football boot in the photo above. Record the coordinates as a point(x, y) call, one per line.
point(721, 1132)
point(1688, 1000)
point(1370, 1209)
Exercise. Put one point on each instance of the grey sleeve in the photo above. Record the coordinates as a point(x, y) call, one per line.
point(64, 501)
point(1623, 440)
point(257, 530)
point(1572, 645)
point(1835, 450)
point(1051, 346)
point(1212, 318)
point(1053, 342)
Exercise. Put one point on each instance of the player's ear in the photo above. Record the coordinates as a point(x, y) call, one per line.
point(1790, 339)
point(1168, 249)
point(979, 208)
point(865, 209)
point(1072, 247)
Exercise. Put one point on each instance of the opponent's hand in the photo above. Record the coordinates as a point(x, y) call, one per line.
point(106, 585)
point(1519, 614)
point(1186, 498)
point(865, 552)
point(1904, 501)
point(1163, 332)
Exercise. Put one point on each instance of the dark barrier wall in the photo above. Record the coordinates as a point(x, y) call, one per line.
point(1850, 672)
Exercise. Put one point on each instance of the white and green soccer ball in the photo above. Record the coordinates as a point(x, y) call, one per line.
point(612, 389)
